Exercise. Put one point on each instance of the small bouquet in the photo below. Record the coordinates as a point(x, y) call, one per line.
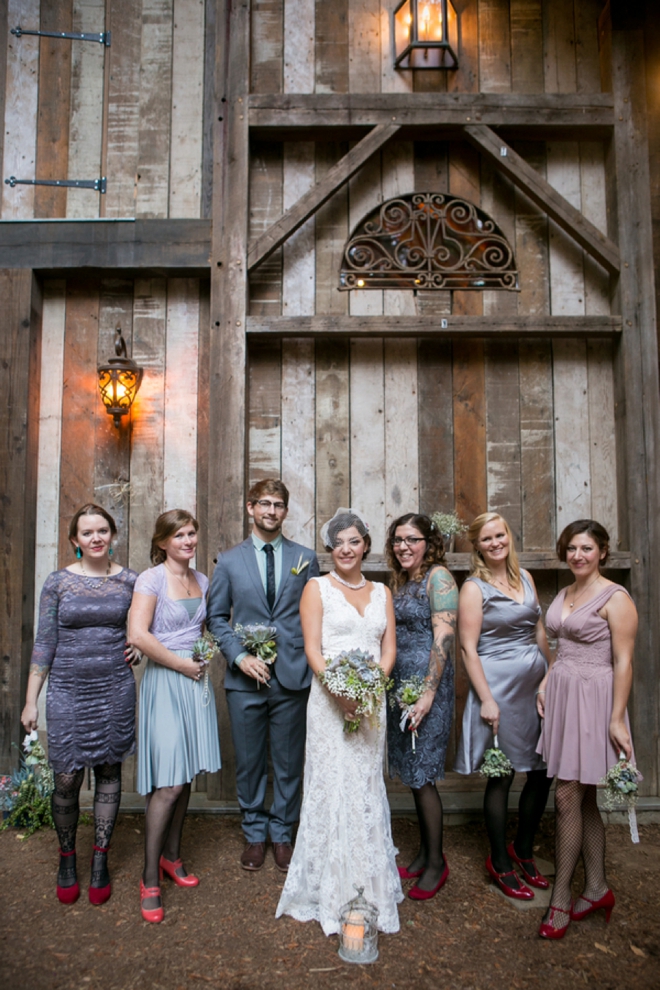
point(355, 675)
point(496, 763)
point(26, 795)
point(259, 640)
point(620, 784)
point(404, 697)
point(203, 651)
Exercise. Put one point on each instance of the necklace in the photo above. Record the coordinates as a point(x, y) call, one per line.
point(94, 577)
point(347, 584)
point(186, 587)
point(571, 604)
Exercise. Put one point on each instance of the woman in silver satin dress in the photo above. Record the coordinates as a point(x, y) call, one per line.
point(505, 650)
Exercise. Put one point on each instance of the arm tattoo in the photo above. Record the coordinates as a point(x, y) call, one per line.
point(443, 598)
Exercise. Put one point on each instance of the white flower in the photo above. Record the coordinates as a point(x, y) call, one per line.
point(29, 739)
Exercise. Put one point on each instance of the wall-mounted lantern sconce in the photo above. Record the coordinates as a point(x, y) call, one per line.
point(420, 35)
point(119, 381)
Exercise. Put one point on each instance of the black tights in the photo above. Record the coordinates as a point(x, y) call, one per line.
point(165, 814)
point(530, 809)
point(66, 811)
point(430, 856)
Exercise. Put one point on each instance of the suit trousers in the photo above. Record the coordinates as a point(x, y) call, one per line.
point(277, 716)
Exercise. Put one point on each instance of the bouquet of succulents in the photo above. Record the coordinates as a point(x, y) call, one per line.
point(259, 640)
point(203, 651)
point(496, 763)
point(621, 791)
point(404, 695)
point(355, 675)
point(26, 795)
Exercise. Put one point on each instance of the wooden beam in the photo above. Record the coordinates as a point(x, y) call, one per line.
point(308, 204)
point(49, 245)
point(294, 110)
point(597, 244)
point(435, 326)
point(534, 560)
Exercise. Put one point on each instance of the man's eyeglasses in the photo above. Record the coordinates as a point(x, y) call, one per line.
point(410, 541)
point(266, 504)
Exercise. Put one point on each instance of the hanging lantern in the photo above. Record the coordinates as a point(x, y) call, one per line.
point(420, 35)
point(119, 381)
point(358, 934)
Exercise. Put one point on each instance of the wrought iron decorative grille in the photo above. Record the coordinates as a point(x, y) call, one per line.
point(428, 241)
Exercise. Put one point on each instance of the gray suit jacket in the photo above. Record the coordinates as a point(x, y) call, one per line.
point(237, 594)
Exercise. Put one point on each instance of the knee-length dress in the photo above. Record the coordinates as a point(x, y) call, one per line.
point(90, 699)
point(414, 638)
point(575, 740)
point(345, 836)
point(514, 667)
point(178, 727)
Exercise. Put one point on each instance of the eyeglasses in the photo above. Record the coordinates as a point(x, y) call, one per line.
point(266, 504)
point(410, 541)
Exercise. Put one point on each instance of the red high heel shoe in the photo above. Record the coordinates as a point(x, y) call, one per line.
point(606, 902)
point(546, 929)
point(405, 873)
point(155, 915)
point(416, 892)
point(521, 892)
point(169, 867)
point(534, 881)
point(68, 895)
point(99, 895)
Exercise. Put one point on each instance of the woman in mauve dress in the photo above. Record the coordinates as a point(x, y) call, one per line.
point(583, 702)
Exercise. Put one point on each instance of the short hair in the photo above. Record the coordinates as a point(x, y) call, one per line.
point(345, 520)
point(91, 509)
point(167, 525)
point(433, 555)
point(592, 528)
point(269, 486)
point(478, 567)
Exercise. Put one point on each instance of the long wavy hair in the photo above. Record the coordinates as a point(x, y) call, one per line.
point(434, 554)
point(167, 524)
point(478, 566)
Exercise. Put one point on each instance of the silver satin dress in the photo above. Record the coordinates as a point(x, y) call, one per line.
point(514, 667)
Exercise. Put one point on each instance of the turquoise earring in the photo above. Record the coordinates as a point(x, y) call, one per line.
point(110, 552)
point(78, 553)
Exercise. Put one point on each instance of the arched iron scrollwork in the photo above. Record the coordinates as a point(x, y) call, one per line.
point(428, 241)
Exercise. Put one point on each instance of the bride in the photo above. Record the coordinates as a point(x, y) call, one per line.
point(344, 839)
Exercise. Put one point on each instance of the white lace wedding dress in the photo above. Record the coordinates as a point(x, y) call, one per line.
point(344, 839)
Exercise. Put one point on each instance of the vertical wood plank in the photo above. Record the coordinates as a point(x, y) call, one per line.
point(180, 420)
point(571, 431)
point(298, 261)
point(469, 429)
point(125, 21)
point(210, 110)
point(267, 46)
point(503, 472)
point(203, 422)
point(367, 403)
point(559, 67)
point(587, 13)
point(566, 258)
point(401, 429)
point(364, 193)
point(391, 80)
point(466, 78)
point(265, 410)
point(4, 45)
point(187, 105)
point(20, 121)
point(298, 436)
point(498, 199)
point(464, 180)
point(155, 109)
point(537, 445)
point(531, 240)
point(299, 46)
point(526, 46)
point(398, 177)
point(331, 46)
point(435, 415)
point(331, 234)
point(332, 430)
point(432, 175)
point(494, 46)
point(364, 46)
point(265, 208)
point(86, 128)
point(53, 112)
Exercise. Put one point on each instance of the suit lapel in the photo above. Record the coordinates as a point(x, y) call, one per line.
point(253, 570)
point(288, 562)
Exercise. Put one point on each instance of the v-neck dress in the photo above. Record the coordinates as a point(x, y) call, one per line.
point(178, 725)
point(575, 740)
point(514, 667)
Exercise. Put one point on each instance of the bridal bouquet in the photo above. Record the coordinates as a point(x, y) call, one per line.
point(404, 697)
point(27, 793)
point(355, 675)
point(259, 640)
point(620, 783)
point(203, 651)
point(496, 762)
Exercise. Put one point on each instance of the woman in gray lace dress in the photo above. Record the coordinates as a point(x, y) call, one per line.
point(425, 600)
point(90, 703)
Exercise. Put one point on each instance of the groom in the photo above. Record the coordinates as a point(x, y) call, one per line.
point(261, 581)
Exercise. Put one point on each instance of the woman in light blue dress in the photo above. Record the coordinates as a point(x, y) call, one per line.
point(178, 734)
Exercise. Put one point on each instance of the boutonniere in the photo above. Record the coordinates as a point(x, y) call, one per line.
point(300, 566)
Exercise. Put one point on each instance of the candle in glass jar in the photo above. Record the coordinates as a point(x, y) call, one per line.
point(353, 931)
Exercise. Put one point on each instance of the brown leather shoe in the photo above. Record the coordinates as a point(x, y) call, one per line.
point(252, 857)
point(282, 851)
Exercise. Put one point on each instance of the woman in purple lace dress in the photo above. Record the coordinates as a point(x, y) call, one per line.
point(425, 601)
point(90, 702)
point(178, 735)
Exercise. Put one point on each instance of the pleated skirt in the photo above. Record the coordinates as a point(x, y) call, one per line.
point(178, 728)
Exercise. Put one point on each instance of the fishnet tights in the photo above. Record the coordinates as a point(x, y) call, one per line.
point(107, 795)
point(65, 808)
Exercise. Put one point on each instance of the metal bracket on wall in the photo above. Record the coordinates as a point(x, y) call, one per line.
point(102, 37)
point(97, 184)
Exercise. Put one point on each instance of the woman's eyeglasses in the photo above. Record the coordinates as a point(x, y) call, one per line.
point(410, 541)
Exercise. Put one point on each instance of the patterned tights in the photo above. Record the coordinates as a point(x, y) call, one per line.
point(66, 810)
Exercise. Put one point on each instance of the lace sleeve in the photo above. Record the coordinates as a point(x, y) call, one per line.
point(45, 643)
point(148, 582)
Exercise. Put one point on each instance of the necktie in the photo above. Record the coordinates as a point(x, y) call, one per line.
point(270, 575)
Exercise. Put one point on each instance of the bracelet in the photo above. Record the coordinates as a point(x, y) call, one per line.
point(540, 692)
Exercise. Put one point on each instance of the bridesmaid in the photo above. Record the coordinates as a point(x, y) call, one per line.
point(425, 600)
point(505, 651)
point(583, 701)
point(178, 735)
